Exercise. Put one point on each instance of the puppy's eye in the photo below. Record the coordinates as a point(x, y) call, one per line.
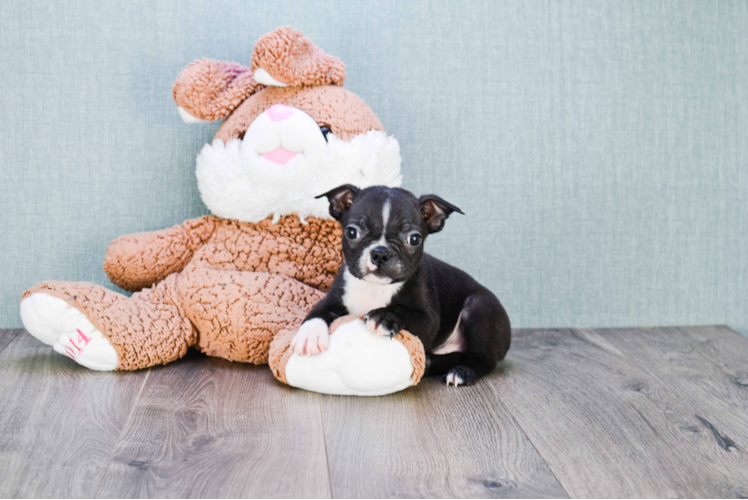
point(325, 130)
point(351, 233)
point(414, 239)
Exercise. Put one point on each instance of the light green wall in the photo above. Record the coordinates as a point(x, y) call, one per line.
point(599, 149)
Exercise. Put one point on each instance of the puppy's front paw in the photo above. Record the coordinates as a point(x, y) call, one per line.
point(311, 338)
point(459, 375)
point(383, 322)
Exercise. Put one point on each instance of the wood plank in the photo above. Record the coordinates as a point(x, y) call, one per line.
point(59, 422)
point(431, 441)
point(7, 336)
point(607, 427)
point(206, 427)
point(634, 412)
point(706, 367)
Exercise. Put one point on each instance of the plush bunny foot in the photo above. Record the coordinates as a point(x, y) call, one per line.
point(68, 331)
point(355, 362)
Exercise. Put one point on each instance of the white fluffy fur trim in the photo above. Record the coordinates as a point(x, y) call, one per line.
point(233, 186)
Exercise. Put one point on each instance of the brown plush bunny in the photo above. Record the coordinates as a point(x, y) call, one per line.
point(228, 283)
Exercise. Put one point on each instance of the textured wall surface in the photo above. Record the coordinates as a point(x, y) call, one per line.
point(599, 149)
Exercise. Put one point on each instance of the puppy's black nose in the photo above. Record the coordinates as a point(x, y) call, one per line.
point(380, 256)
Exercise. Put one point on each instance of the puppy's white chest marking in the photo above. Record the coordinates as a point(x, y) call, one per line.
point(361, 296)
point(455, 342)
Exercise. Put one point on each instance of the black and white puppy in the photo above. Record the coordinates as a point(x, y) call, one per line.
point(387, 278)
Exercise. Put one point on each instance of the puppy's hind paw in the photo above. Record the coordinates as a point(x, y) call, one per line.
point(459, 375)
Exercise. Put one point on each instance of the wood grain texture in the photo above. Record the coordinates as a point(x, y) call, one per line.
point(7, 336)
point(431, 441)
point(206, 427)
point(706, 368)
point(59, 422)
point(602, 413)
point(607, 427)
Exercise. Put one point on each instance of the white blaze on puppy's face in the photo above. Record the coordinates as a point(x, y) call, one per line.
point(284, 162)
point(366, 266)
point(386, 208)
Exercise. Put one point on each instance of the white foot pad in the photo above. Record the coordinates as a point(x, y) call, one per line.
point(356, 362)
point(68, 331)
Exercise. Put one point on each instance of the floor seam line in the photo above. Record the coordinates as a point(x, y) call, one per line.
point(121, 434)
point(545, 461)
point(529, 439)
point(532, 443)
point(324, 440)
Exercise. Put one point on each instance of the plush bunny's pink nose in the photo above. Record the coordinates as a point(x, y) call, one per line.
point(279, 112)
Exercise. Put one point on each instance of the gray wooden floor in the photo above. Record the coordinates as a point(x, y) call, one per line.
point(581, 413)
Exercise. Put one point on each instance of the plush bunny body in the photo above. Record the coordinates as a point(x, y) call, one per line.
point(230, 283)
point(224, 287)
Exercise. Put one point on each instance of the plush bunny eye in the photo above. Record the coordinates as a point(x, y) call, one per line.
point(414, 239)
point(351, 233)
point(325, 130)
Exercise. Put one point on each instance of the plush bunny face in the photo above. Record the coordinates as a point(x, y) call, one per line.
point(342, 111)
point(284, 144)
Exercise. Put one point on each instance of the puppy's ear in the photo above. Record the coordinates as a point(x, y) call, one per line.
point(341, 198)
point(435, 211)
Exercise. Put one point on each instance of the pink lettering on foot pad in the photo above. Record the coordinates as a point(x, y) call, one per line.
point(73, 350)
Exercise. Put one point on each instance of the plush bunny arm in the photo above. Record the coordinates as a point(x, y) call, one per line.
point(137, 261)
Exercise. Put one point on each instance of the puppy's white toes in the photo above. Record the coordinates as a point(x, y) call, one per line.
point(371, 325)
point(297, 345)
point(322, 343)
point(311, 338)
point(311, 347)
point(317, 342)
point(299, 348)
point(455, 378)
point(460, 376)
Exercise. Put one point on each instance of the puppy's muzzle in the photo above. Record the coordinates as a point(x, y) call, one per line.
point(380, 256)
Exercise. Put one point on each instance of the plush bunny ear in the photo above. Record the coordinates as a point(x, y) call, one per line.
point(210, 90)
point(285, 57)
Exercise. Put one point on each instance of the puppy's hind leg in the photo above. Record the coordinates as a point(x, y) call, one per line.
point(440, 364)
point(487, 334)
